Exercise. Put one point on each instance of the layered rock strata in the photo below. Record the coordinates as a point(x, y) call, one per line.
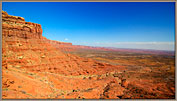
point(34, 68)
point(13, 26)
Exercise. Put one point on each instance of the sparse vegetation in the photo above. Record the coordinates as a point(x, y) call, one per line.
point(38, 69)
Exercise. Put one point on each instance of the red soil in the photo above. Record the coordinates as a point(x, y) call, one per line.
point(34, 68)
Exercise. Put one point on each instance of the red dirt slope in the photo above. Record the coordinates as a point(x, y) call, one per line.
point(33, 68)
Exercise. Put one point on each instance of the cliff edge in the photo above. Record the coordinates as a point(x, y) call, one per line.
point(16, 26)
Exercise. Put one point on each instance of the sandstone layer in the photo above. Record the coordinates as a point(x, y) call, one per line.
point(34, 68)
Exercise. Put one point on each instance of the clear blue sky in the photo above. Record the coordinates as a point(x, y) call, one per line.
point(101, 23)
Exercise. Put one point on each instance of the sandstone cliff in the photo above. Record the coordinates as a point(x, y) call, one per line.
point(33, 67)
point(53, 42)
point(16, 26)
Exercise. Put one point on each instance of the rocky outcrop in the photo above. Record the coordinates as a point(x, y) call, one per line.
point(56, 43)
point(33, 66)
point(16, 26)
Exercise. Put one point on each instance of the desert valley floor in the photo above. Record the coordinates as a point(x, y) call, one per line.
point(34, 67)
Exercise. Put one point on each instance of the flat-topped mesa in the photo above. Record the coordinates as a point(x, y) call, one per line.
point(59, 43)
point(53, 42)
point(16, 26)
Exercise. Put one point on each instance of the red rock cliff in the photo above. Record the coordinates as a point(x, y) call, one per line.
point(16, 26)
point(53, 42)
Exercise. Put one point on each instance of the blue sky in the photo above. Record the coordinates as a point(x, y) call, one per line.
point(145, 25)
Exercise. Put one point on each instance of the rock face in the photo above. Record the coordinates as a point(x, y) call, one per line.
point(53, 42)
point(33, 67)
point(16, 26)
point(62, 46)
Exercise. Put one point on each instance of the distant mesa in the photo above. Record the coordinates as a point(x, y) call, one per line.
point(53, 42)
point(34, 67)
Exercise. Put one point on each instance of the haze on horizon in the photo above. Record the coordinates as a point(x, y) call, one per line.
point(138, 25)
